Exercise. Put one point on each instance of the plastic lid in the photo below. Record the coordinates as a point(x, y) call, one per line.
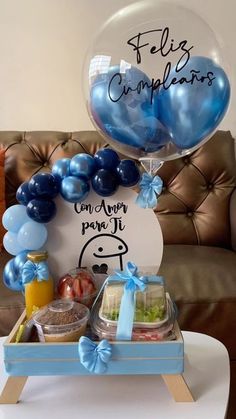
point(61, 313)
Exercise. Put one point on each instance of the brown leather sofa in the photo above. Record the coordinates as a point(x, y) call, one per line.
point(196, 213)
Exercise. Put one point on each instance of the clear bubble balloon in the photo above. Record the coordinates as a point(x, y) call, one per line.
point(156, 81)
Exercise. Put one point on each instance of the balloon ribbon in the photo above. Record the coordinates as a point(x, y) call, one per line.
point(150, 188)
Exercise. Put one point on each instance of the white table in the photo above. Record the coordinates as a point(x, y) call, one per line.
point(207, 373)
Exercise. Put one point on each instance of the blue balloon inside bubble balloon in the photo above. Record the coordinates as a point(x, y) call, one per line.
point(122, 106)
point(193, 101)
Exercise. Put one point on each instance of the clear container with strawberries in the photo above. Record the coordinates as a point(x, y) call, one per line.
point(78, 285)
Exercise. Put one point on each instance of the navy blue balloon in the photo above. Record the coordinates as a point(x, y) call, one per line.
point(10, 278)
point(41, 210)
point(83, 165)
point(74, 189)
point(104, 182)
point(23, 194)
point(192, 110)
point(19, 261)
point(129, 119)
point(128, 173)
point(44, 185)
point(106, 158)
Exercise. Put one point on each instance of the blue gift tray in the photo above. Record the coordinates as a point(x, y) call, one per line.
point(128, 357)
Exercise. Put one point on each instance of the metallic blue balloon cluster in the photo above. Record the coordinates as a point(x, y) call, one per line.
point(105, 172)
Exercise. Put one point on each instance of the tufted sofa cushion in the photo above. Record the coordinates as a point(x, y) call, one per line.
point(194, 206)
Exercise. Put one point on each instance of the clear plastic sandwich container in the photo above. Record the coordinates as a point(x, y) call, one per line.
point(165, 331)
point(150, 305)
point(61, 321)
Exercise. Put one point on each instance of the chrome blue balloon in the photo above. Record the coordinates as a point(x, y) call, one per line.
point(104, 182)
point(23, 194)
point(10, 278)
point(122, 107)
point(41, 210)
point(82, 165)
point(74, 189)
point(44, 185)
point(61, 168)
point(19, 261)
point(193, 101)
point(14, 217)
point(106, 158)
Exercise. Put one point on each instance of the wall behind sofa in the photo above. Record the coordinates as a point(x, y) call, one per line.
point(42, 47)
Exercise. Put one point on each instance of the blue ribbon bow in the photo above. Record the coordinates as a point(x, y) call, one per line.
point(33, 271)
point(94, 357)
point(130, 276)
point(150, 188)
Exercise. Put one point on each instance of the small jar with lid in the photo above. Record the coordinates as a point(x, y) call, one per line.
point(39, 286)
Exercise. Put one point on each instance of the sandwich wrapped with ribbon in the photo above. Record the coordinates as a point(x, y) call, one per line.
point(134, 307)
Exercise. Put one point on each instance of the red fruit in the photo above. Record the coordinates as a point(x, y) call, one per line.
point(65, 289)
point(77, 288)
point(87, 287)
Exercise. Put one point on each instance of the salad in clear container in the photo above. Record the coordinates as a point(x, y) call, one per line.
point(150, 305)
point(105, 329)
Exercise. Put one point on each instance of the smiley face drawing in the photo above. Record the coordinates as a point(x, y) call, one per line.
point(100, 248)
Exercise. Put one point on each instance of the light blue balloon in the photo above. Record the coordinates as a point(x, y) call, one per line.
point(14, 217)
point(83, 165)
point(191, 111)
point(19, 261)
point(32, 235)
point(10, 278)
point(11, 243)
point(61, 167)
point(74, 189)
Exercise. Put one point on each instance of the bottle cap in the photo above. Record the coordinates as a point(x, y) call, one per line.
point(37, 256)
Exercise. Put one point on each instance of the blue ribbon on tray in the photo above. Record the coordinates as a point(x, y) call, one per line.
point(94, 357)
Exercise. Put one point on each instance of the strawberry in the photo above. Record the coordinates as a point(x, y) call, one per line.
point(77, 288)
point(87, 287)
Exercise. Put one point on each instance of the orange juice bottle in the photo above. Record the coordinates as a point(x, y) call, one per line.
point(38, 292)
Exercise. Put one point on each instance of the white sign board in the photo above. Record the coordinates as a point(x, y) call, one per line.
point(103, 234)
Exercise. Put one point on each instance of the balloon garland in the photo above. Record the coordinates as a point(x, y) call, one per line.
point(72, 179)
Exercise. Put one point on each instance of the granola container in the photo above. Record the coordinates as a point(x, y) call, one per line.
point(61, 321)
